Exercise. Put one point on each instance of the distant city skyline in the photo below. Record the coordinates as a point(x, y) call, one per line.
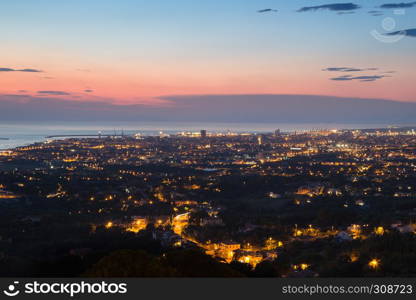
point(91, 58)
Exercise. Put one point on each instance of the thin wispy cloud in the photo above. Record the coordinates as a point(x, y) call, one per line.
point(356, 77)
point(27, 70)
point(364, 78)
point(88, 91)
point(267, 10)
point(408, 32)
point(333, 7)
point(54, 93)
point(346, 13)
point(399, 5)
point(376, 13)
point(346, 69)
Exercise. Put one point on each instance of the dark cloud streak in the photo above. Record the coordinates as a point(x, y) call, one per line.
point(346, 69)
point(333, 7)
point(26, 70)
point(364, 78)
point(54, 93)
point(267, 10)
point(408, 32)
point(399, 5)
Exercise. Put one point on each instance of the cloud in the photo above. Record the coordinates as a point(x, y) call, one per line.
point(212, 108)
point(20, 70)
point(376, 13)
point(346, 13)
point(346, 69)
point(88, 91)
point(364, 78)
point(370, 77)
point(267, 10)
point(54, 93)
point(343, 77)
point(332, 7)
point(399, 5)
point(29, 70)
point(408, 32)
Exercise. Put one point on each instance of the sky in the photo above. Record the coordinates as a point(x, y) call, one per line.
point(146, 52)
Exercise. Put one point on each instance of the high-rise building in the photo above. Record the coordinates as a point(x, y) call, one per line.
point(277, 132)
point(203, 133)
point(260, 140)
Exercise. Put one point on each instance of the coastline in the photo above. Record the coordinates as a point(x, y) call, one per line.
point(28, 134)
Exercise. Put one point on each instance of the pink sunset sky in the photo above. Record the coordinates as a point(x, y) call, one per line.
point(128, 52)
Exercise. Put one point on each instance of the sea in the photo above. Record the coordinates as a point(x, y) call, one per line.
point(14, 135)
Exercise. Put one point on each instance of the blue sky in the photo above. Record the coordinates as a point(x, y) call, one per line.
point(136, 50)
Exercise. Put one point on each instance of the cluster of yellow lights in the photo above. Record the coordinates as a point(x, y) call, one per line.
point(379, 231)
point(160, 196)
point(272, 244)
point(7, 153)
point(193, 187)
point(8, 196)
point(355, 231)
point(137, 226)
point(374, 264)
point(109, 225)
point(251, 260)
point(302, 267)
point(298, 233)
point(70, 159)
point(354, 257)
